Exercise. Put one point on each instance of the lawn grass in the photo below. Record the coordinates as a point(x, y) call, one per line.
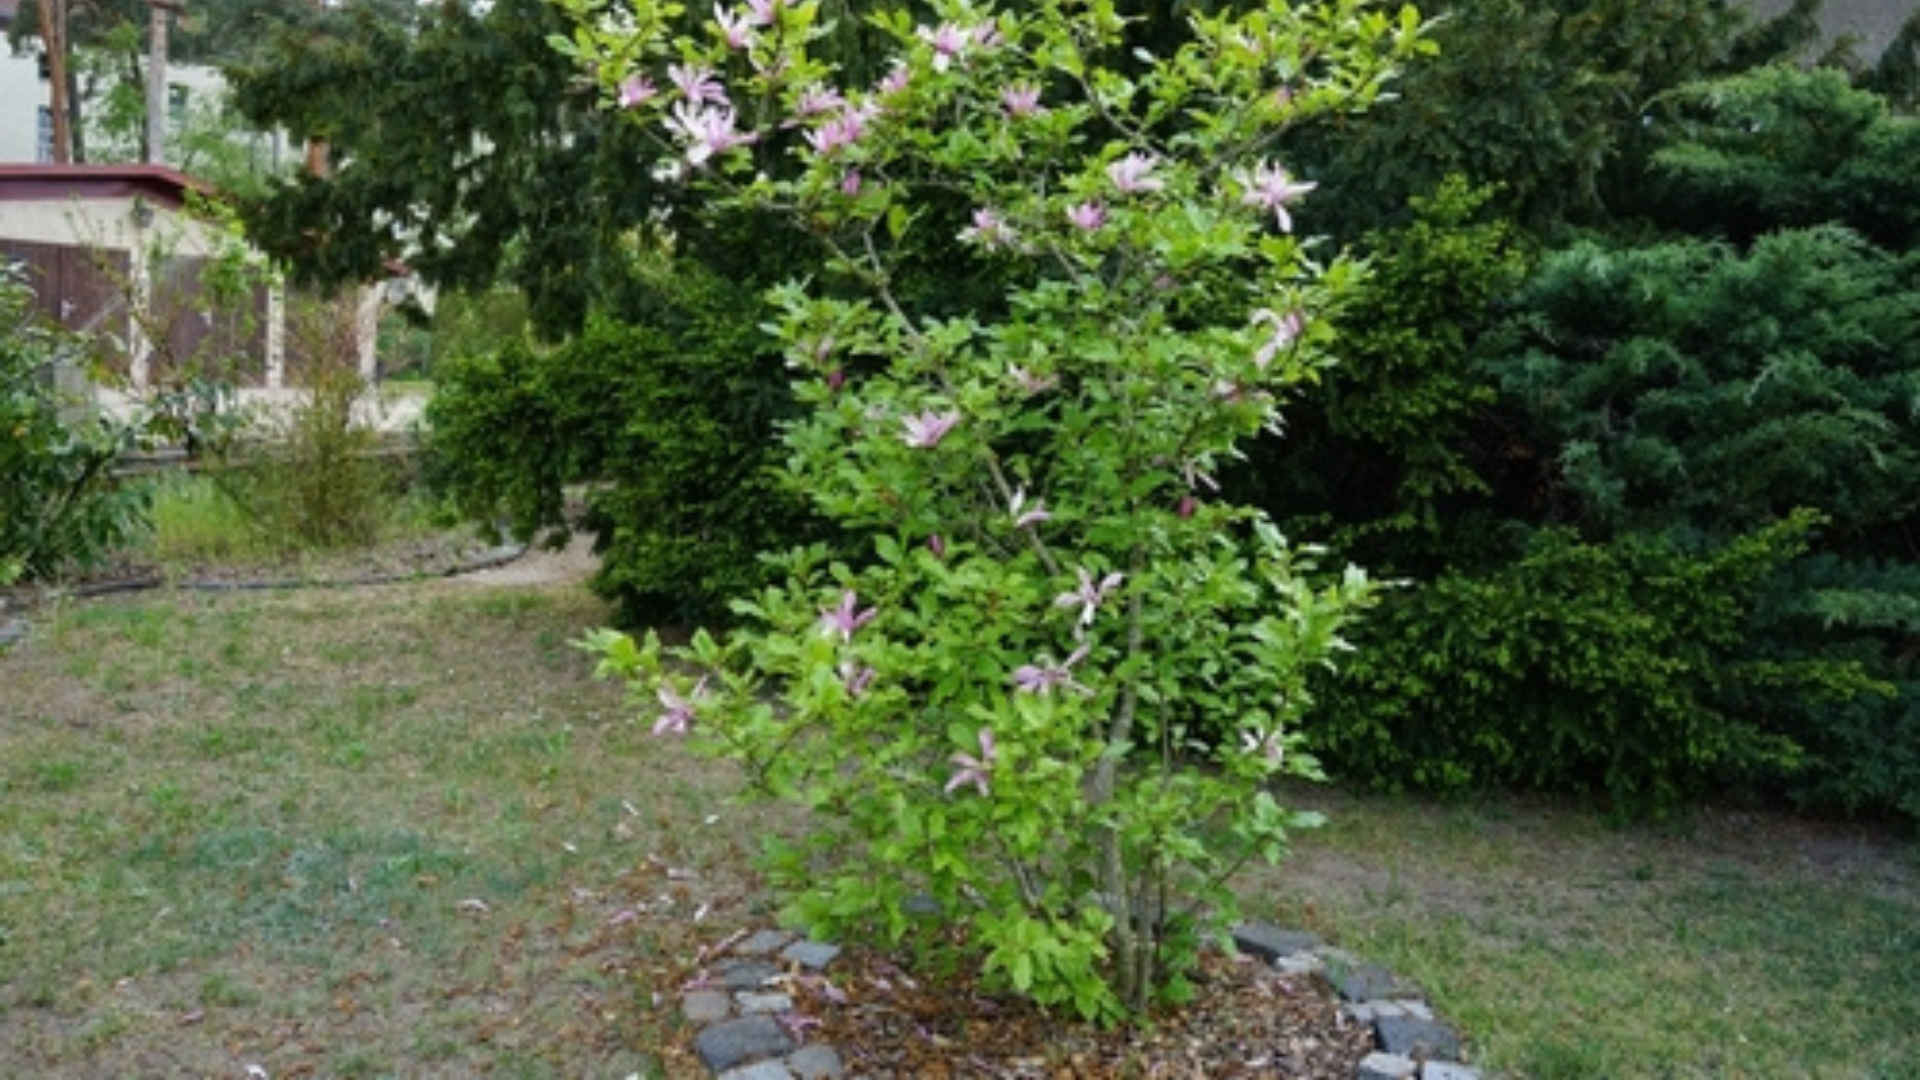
point(385, 832)
point(1730, 944)
point(399, 832)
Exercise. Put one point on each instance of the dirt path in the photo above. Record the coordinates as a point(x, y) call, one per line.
point(539, 566)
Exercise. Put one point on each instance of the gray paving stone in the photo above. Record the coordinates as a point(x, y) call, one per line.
point(1271, 942)
point(762, 943)
point(749, 1039)
point(1413, 1037)
point(745, 974)
point(751, 1003)
point(1448, 1070)
point(1332, 956)
point(1300, 964)
point(816, 1062)
point(1363, 982)
point(1383, 1066)
point(705, 1006)
point(759, 1070)
point(812, 955)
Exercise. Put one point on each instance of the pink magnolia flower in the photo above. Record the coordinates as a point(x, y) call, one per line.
point(1266, 744)
point(1268, 186)
point(850, 183)
point(696, 84)
point(1030, 383)
point(735, 29)
point(1286, 329)
point(948, 41)
point(817, 100)
point(816, 350)
point(1134, 173)
point(926, 429)
point(1088, 597)
point(1087, 216)
point(707, 131)
point(843, 620)
point(763, 12)
point(1024, 515)
point(989, 230)
point(856, 678)
point(987, 35)
point(977, 771)
point(937, 544)
point(1197, 478)
point(836, 134)
point(637, 90)
point(896, 80)
point(1021, 100)
point(679, 711)
point(1043, 677)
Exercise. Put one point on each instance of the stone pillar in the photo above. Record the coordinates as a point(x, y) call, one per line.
point(139, 348)
point(366, 332)
point(276, 337)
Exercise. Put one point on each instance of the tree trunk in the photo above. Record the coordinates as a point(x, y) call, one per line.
point(53, 19)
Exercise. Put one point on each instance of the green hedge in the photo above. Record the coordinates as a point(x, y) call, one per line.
point(671, 427)
point(1619, 669)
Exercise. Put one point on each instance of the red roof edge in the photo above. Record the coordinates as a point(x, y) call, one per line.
point(156, 182)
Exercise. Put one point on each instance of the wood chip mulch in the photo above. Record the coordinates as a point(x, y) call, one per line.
point(1247, 1020)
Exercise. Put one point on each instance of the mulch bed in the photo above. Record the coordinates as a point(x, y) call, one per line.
point(1247, 1020)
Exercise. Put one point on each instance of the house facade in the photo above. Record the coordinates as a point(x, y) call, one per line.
point(112, 253)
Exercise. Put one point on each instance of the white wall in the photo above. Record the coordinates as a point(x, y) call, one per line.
point(22, 93)
point(101, 223)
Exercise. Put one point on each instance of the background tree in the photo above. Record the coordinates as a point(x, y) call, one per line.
point(1692, 562)
point(1544, 103)
point(1781, 147)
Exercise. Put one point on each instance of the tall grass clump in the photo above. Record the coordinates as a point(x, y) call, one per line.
point(312, 476)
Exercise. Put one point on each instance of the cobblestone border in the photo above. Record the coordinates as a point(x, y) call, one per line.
point(1409, 1043)
point(744, 1031)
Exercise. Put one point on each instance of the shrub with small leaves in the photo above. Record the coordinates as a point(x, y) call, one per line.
point(60, 508)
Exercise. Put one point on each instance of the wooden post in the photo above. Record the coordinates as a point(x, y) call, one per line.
point(317, 148)
point(53, 24)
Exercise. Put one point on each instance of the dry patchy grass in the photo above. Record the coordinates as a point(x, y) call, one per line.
point(376, 832)
point(400, 832)
point(1730, 944)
